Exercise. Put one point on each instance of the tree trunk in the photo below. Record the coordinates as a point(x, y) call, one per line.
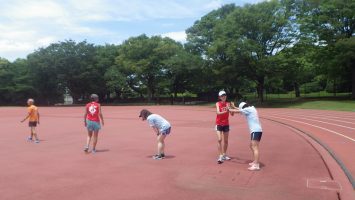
point(260, 88)
point(353, 82)
point(335, 87)
point(297, 90)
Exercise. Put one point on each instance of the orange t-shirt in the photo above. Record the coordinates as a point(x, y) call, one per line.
point(33, 112)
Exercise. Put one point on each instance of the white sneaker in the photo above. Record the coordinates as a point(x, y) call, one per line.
point(225, 157)
point(254, 167)
point(252, 163)
point(220, 160)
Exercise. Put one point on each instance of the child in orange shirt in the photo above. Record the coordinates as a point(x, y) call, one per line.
point(33, 116)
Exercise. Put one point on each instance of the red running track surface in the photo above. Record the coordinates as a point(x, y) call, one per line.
point(293, 167)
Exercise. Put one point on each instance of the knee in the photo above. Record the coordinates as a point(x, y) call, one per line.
point(219, 141)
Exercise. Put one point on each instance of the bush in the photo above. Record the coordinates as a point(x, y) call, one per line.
point(311, 87)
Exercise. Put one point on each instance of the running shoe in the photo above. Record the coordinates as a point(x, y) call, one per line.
point(162, 155)
point(220, 160)
point(157, 157)
point(86, 149)
point(37, 141)
point(254, 167)
point(252, 163)
point(225, 157)
point(93, 151)
point(29, 139)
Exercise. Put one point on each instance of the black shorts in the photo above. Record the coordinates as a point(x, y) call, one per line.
point(221, 128)
point(256, 136)
point(32, 124)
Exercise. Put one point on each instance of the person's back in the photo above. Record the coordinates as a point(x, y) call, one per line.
point(158, 121)
point(252, 117)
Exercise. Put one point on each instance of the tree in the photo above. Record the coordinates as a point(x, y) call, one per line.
point(142, 59)
point(252, 35)
point(327, 22)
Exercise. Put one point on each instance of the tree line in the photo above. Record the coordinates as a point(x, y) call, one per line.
point(273, 46)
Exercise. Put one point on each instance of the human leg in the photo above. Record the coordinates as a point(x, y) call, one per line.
point(94, 142)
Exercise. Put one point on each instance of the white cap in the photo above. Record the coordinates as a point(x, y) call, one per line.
point(241, 105)
point(221, 93)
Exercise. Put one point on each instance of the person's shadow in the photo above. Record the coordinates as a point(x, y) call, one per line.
point(102, 150)
point(166, 156)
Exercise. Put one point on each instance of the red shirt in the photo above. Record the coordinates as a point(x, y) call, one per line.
point(222, 119)
point(93, 110)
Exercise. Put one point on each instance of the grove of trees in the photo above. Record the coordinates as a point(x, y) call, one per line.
point(272, 46)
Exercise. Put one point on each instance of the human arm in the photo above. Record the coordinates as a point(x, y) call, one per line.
point(38, 117)
point(156, 130)
point(221, 112)
point(101, 117)
point(29, 114)
point(86, 113)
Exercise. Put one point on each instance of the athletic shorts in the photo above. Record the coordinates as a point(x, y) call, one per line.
point(93, 125)
point(221, 128)
point(166, 131)
point(256, 136)
point(32, 124)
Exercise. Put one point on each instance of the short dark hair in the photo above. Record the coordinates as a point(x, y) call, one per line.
point(144, 114)
point(94, 97)
point(246, 105)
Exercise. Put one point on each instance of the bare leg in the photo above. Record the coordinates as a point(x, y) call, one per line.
point(34, 134)
point(255, 149)
point(161, 143)
point(94, 142)
point(88, 138)
point(219, 142)
point(225, 142)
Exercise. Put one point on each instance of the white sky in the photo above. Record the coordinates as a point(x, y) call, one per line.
point(26, 25)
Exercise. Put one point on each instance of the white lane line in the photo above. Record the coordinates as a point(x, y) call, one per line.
point(328, 116)
point(349, 138)
point(319, 121)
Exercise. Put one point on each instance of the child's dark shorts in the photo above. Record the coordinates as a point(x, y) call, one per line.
point(224, 129)
point(32, 124)
point(256, 136)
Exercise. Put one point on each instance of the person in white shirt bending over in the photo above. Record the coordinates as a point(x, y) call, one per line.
point(255, 131)
point(161, 127)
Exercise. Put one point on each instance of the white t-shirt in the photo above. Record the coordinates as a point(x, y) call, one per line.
point(159, 122)
point(253, 119)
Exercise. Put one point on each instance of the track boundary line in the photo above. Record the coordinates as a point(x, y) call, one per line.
point(349, 138)
point(328, 149)
point(317, 121)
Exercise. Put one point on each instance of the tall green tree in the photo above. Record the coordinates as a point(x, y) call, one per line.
point(327, 22)
point(252, 35)
point(143, 61)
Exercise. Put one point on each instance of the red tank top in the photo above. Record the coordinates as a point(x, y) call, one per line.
point(93, 110)
point(222, 119)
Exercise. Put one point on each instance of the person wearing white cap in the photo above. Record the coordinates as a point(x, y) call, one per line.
point(222, 126)
point(255, 131)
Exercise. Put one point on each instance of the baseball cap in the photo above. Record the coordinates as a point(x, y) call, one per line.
point(241, 105)
point(221, 93)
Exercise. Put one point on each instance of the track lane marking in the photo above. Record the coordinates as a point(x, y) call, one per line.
point(339, 134)
point(320, 122)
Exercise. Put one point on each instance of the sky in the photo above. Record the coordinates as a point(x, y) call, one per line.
point(27, 25)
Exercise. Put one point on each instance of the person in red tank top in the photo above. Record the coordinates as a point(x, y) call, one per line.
point(222, 126)
point(93, 119)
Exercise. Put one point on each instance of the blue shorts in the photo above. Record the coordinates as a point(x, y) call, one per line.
point(256, 136)
point(93, 125)
point(166, 131)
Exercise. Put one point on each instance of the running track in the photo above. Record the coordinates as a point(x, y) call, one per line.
point(294, 165)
